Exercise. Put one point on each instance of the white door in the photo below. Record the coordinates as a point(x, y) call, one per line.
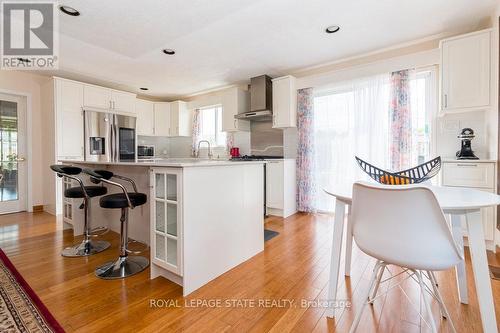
point(12, 154)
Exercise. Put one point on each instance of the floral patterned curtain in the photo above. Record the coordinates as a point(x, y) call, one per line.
point(400, 144)
point(305, 153)
point(229, 142)
point(196, 130)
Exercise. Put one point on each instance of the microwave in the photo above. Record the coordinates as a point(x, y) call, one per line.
point(145, 151)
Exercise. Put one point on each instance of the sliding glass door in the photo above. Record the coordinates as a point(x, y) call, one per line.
point(353, 120)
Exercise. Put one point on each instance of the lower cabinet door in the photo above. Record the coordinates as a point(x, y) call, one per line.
point(166, 236)
point(274, 184)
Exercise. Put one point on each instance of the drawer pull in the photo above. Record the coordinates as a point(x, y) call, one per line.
point(467, 165)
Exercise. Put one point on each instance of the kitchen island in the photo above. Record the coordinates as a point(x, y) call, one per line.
point(202, 217)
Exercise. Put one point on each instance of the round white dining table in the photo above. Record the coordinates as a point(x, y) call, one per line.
point(459, 203)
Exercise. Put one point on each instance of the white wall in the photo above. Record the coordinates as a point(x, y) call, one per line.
point(447, 127)
point(328, 79)
point(30, 84)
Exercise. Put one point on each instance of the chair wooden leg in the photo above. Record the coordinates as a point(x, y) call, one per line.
point(424, 299)
point(366, 294)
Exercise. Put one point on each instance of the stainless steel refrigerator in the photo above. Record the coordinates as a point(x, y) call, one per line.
point(109, 137)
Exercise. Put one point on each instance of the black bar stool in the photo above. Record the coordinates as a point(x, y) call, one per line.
point(87, 246)
point(125, 265)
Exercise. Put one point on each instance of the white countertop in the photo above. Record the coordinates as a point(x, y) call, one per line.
point(169, 162)
point(455, 160)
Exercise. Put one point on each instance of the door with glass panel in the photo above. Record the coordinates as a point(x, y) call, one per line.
point(12, 153)
point(166, 212)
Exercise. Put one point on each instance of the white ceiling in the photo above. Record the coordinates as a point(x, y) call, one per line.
point(220, 42)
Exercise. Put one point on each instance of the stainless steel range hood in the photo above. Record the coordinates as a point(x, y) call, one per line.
point(261, 100)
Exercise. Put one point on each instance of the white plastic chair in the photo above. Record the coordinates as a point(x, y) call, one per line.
point(403, 226)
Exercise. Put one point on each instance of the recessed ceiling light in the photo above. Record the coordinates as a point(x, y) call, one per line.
point(69, 10)
point(24, 60)
point(169, 51)
point(332, 29)
point(144, 88)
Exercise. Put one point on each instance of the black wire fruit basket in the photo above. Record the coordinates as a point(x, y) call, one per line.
point(415, 175)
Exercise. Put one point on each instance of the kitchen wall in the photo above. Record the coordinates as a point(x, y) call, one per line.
point(449, 126)
point(241, 139)
point(423, 54)
point(162, 144)
point(180, 147)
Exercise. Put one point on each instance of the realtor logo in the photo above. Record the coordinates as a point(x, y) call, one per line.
point(29, 35)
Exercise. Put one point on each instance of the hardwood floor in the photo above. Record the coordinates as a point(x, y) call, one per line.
point(293, 268)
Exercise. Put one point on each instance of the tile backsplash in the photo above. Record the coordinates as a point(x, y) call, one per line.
point(449, 127)
point(180, 147)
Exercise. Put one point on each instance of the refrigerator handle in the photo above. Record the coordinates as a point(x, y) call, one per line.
point(112, 136)
point(116, 149)
point(115, 128)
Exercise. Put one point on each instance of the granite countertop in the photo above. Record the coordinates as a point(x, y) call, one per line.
point(168, 162)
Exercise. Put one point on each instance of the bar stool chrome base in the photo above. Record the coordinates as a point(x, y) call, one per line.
point(122, 268)
point(85, 248)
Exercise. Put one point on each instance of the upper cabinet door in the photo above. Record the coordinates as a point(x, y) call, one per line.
point(162, 119)
point(234, 101)
point(97, 97)
point(145, 117)
point(69, 119)
point(123, 101)
point(465, 72)
point(181, 119)
point(284, 102)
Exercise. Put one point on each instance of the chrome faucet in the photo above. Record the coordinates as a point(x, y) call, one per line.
point(210, 155)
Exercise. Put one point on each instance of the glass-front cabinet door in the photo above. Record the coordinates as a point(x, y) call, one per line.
point(166, 216)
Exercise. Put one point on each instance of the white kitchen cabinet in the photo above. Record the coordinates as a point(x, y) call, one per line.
point(234, 101)
point(465, 72)
point(109, 99)
point(96, 97)
point(479, 175)
point(166, 217)
point(122, 101)
point(281, 187)
point(181, 119)
point(145, 117)
point(68, 101)
point(161, 119)
point(284, 102)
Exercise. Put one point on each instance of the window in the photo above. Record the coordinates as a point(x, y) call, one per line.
point(354, 120)
point(211, 126)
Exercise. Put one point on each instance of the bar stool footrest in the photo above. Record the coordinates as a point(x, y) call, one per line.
point(99, 231)
point(132, 241)
point(85, 248)
point(122, 267)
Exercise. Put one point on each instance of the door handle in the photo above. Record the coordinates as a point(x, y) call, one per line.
point(20, 159)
